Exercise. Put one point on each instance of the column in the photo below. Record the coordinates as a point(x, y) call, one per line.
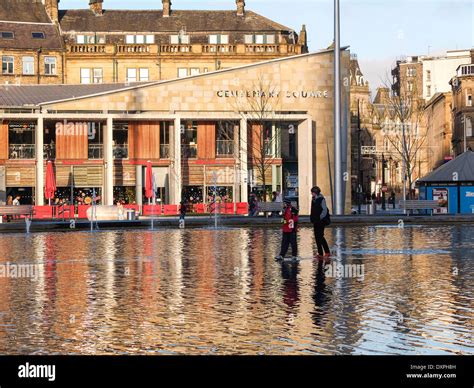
point(175, 168)
point(243, 161)
point(139, 184)
point(109, 162)
point(39, 189)
point(305, 165)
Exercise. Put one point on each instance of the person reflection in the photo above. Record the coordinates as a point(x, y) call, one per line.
point(321, 295)
point(289, 273)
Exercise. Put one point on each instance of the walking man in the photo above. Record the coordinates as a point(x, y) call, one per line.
point(320, 219)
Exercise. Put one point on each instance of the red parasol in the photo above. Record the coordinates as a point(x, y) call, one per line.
point(50, 186)
point(148, 181)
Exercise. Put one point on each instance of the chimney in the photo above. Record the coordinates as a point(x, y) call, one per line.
point(51, 7)
point(303, 40)
point(240, 7)
point(96, 6)
point(166, 8)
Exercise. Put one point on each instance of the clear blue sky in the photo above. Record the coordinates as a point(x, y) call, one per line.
point(379, 31)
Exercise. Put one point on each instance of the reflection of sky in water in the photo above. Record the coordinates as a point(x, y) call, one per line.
point(204, 292)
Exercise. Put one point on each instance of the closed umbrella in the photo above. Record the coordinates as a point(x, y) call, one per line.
point(148, 181)
point(50, 186)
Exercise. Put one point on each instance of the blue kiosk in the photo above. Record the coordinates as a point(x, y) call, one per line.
point(452, 184)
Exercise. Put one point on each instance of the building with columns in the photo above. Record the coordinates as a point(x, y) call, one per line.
point(199, 132)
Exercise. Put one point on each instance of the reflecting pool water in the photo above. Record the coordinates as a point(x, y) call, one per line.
point(195, 291)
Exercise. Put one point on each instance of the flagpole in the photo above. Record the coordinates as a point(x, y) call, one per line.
point(339, 205)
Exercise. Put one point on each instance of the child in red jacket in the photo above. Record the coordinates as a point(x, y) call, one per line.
point(290, 226)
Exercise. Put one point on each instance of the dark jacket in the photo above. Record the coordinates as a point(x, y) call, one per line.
point(319, 209)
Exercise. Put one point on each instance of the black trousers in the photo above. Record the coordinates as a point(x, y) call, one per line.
point(287, 239)
point(321, 242)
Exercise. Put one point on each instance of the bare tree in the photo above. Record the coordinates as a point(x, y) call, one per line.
point(258, 107)
point(404, 129)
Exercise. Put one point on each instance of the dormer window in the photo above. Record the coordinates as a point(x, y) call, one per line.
point(6, 35)
point(179, 39)
point(90, 39)
point(260, 39)
point(218, 39)
point(37, 35)
point(139, 39)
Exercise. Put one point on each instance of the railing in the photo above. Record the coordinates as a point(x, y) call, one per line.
point(120, 151)
point(176, 48)
point(183, 49)
point(262, 48)
point(49, 151)
point(87, 48)
point(164, 151)
point(95, 151)
point(189, 151)
point(224, 147)
point(133, 48)
point(218, 48)
point(21, 151)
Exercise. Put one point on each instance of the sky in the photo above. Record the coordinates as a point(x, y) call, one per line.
point(378, 31)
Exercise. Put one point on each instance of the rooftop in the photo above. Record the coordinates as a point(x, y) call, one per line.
point(153, 21)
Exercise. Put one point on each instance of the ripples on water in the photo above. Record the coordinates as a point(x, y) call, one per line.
point(220, 292)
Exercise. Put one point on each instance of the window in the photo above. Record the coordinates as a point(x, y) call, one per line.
point(225, 138)
point(139, 39)
point(90, 39)
point(182, 72)
point(179, 39)
point(120, 140)
point(144, 74)
point(97, 76)
point(219, 39)
point(410, 86)
point(131, 75)
point(468, 127)
point(428, 90)
point(50, 65)
point(38, 35)
point(85, 76)
point(7, 65)
point(411, 72)
point(194, 71)
point(28, 65)
point(428, 75)
point(259, 39)
point(6, 35)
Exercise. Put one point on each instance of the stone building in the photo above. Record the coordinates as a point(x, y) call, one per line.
point(198, 132)
point(31, 48)
point(462, 107)
point(98, 45)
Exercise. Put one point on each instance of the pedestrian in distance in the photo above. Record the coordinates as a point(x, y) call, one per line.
point(182, 210)
point(320, 218)
point(289, 229)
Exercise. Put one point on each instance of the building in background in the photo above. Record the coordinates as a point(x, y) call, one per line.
point(31, 48)
point(94, 45)
point(462, 107)
point(427, 75)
